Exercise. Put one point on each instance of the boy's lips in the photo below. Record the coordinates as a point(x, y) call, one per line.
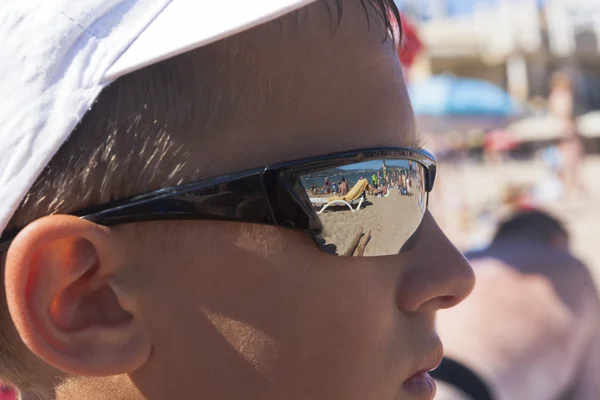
point(419, 384)
point(429, 361)
point(420, 387)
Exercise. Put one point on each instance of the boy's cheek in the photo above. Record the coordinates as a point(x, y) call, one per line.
point(267, 300)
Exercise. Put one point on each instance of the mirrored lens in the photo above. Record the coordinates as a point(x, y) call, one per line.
point(370, 208)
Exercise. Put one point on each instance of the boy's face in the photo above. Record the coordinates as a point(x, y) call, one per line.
point(236, 310)
point(260, 312)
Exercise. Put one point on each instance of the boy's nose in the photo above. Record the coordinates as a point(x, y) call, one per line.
point(437, 275)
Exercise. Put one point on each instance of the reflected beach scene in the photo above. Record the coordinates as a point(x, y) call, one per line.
point(369, 208)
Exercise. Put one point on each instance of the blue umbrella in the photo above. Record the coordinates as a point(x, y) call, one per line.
point(444, 95)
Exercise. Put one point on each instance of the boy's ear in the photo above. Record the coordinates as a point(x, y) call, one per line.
point(64, 301)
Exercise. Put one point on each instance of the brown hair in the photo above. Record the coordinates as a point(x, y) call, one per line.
point(533, 225)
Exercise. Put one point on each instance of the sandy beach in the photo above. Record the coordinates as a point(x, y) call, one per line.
point(391, 220)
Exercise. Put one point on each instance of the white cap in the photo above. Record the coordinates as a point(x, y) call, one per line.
point(57, 55)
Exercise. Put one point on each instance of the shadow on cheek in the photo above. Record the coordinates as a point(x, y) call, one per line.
point(256, 347)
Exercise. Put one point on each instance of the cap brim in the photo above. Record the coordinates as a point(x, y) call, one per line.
point(188, 24)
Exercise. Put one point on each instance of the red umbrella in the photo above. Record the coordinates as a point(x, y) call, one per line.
point(8, 392)
point(499, 140)
point(411, 44)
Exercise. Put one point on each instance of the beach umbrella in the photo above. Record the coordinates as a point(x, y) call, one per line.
point(547, 127)
point(445, 95)
point(460, 123)
point(588, 124)
point(536, 129)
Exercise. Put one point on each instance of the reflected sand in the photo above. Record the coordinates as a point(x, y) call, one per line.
point(390, 220)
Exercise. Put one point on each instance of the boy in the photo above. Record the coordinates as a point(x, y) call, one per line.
point(219, 287)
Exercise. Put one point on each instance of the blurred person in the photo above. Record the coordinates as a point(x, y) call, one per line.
point(326, 186)
point(381, 191)
point(561, 103)
point(343, 187)
point(550, 188)
point(530, 328)
point(128, 274)
point(335, 187)
point(408, 184)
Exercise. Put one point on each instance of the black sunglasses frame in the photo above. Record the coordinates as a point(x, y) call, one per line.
point(271, 195)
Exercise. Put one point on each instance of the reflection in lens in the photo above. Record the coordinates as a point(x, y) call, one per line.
point(370, 208)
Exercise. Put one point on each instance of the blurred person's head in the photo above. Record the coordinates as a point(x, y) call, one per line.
point(536, 226)
point(561, 81)
point(192, 309)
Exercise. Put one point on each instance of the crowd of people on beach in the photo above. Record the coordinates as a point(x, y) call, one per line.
point(331, 188)
point(379, 186)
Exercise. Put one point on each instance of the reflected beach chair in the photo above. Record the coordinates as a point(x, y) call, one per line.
point(354, 197)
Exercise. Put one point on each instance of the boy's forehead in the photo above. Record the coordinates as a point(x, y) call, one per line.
point(304, 85)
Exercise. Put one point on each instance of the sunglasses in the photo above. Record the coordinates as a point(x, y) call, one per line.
point(358, 203)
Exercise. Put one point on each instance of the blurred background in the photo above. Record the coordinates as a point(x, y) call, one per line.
point(507, 95)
